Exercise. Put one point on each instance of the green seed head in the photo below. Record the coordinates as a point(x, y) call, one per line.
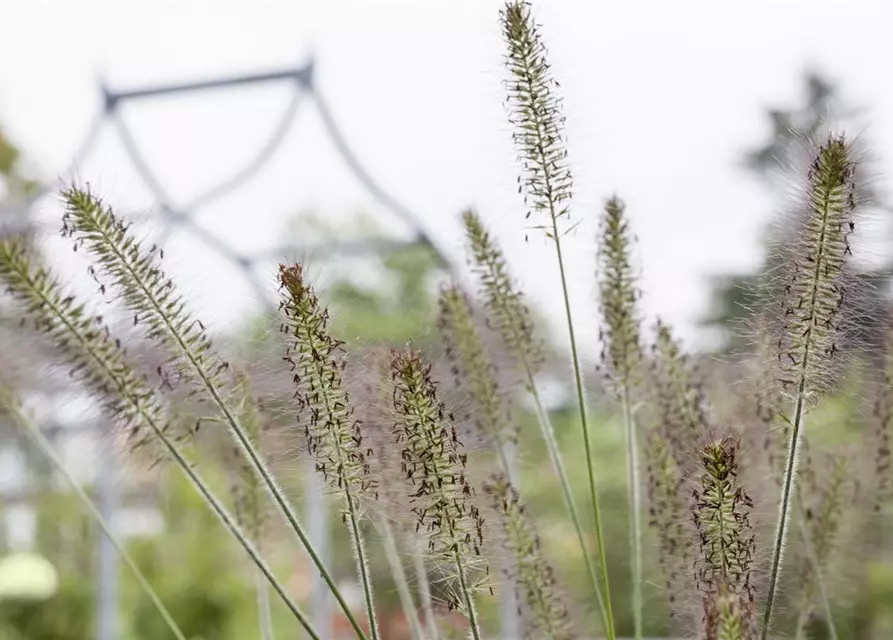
point(334, 438)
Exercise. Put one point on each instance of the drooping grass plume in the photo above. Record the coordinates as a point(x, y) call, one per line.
point(9, 404)
point(156, 306)
point(541, 604)
point(434, 462)
point(475, 373)
point(538, 134)
point(667, 516)
point(723, 568)
point(813, 300)
point(509, 316)
point(334, 438)
point(98, 361)
point(621, 356)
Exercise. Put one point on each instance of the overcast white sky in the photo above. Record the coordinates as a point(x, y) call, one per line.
point(661, 98)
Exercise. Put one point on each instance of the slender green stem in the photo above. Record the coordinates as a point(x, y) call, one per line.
point(782, 527)
point(396, 564)
point(41, 442)
point(235, 428)
point(548, 434)
point(362, 564)
point(265, 620)
point(425, 590)
point(469, 600)
point(635, 507)
point(584, 423)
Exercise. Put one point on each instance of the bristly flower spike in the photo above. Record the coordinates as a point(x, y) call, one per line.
point(813, 300)
point(542, 604)
point(509, 316)
point(668, 513)
point(680, 399)
point(621, 355)
point(152, 298)
point(334, 438)
point(98, 361)
point(538, 124)
point(723, 570)
point(475, 373)
point(434, 462)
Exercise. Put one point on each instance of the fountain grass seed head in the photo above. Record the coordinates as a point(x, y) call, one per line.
point(474, 370)
point(434, 463)
point(541, 603)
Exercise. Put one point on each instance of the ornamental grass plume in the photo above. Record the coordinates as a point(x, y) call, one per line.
point(124, 264)
point(669, 516)
point(508, 315)
point(99, 362)
point(334, 437)
point(679, 400)
point(435, 464)
point(541, 603)
point(621, 357)
point(538, 133)
point(475, 373)
point(724, 565)
point(814, 299)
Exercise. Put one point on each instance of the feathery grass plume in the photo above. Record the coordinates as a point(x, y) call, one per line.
point(723, 569)
point(509, 316)
point(433, 461)
point(621, 355)
point(152, 298)
point(334, 437)
point(99, 362)
point(813, 300)
point(546, 183)
point(668, 514)
point(475, 372)
point(680, 401)
point(392, 519)
point(618, 296)
point(251, 504)
point(542, 604)
point(822, 523)
point(10, 404)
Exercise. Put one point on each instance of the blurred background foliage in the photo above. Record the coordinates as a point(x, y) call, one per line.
point(390, 300)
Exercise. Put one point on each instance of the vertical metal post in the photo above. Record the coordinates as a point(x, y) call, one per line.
point(108, 590)
point(510, 624)
point(318, 525)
